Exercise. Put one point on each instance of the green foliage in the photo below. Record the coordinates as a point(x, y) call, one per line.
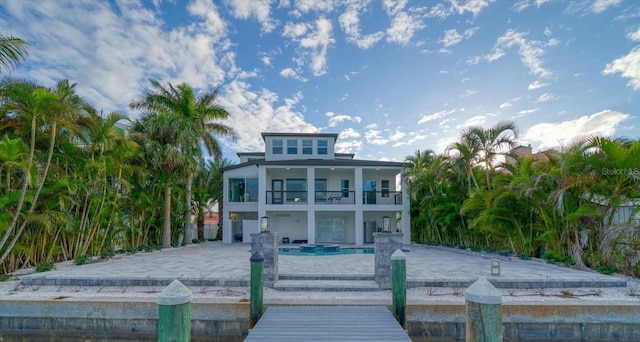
point(5, 276)
point(82, 259)
point(195, 241)
point(107, 254)
point(45, 266)
point(607, 269)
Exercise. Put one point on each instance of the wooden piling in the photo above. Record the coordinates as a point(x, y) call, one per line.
point(399, 286)
point(174, 315)
point(257, 288)
point(483, 312)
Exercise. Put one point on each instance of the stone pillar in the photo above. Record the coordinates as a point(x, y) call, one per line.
point(174, 314)
point(385, 245)
point(267, 244)
point(483, 312)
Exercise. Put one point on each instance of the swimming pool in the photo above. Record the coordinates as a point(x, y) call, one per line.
point(319, 252)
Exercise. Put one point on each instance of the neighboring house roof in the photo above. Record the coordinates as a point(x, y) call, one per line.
point(318, 162)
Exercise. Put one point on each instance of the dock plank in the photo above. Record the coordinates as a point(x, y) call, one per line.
point(327, 323)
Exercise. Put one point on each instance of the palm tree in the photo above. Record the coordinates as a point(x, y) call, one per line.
point(12, 51)
point(196, 123)
point(47, 110)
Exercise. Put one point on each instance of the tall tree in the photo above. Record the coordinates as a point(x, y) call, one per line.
point(197, 120)
point(13, 50)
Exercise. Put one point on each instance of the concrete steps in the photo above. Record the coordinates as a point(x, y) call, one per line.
point(326, 282)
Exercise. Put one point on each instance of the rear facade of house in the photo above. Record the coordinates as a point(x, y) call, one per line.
point(311, 194)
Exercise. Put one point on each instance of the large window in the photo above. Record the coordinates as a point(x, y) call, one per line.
point(307, 146)
point(292, 146)
point(296, 190)
point(277, 146)
point(243, 189)
point(322, 146)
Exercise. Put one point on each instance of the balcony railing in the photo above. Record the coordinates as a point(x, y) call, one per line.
point(335, 197)
point(382, 197)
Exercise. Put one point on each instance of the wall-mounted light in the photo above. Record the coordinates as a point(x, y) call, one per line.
point(386, 224)
point(264, 224)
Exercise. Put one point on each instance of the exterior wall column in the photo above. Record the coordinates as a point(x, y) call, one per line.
point(227, 236)
point(359, 208)
point(311, 226)
point(406, 216)
point(262, 191)
point(311, 204)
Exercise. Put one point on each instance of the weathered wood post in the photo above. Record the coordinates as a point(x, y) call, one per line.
point(257, 271)
point(483, 304)
point(399, 286)
point(174, 317)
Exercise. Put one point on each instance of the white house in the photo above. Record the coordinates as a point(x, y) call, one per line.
point(312, 194)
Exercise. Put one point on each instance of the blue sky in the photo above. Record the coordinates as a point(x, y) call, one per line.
point(390, 76)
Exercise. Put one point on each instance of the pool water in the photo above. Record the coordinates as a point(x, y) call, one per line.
point(339, 251)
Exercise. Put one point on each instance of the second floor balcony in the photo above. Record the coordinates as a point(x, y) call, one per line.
point(334, 197)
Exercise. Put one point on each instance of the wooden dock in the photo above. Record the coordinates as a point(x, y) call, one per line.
point(327, 323)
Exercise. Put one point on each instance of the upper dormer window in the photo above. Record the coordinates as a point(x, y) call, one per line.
point(307, 146)
point(292, 146)
point(277, 146)
point(322, 147)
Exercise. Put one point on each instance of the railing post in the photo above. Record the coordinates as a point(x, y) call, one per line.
point(399, 286)
point(257, 270)
point(483, 312)
point(174, 316)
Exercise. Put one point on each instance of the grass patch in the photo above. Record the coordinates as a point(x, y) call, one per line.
point(608, 270)
point(44, 266)
point(82, 259)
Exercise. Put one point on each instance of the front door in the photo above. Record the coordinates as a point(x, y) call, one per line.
point(276, 191)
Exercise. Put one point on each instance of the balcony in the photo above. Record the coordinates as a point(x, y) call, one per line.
point(382, 197)
point(335, 197)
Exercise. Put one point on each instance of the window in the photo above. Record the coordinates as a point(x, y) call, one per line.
point(307, 146)
point(243, 189)
point(321, 190)
point(277, 146)
point(292, 146)
point(296, 190)
point(344, 187)
point(322, 147)
point(384, 185)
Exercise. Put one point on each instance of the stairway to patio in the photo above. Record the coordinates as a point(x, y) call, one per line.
point(326, 283)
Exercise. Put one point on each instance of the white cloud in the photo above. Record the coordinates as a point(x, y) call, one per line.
point(509, 102)
point(350, 24)
point(536, 85)
point(473, 6)
point(111, 49)
point(259, 9)
point(373, 137)
point(403, 27)
point(552, 135)
point(635, 35)
point(546, 97)
point(290, 73)
point(292, 30)
point(477, 120)
point(253, 112)
point(530, 51)
point(468, 93)
point(438, 115)
point(452, 37)
point(393, 7)
point(397, 135)
point(526, 112)
point(628, 66)
point(600, 6)
point(413, 138)
point(313, 41)
point(304, 6)
point(336, 119)
point(349, 133)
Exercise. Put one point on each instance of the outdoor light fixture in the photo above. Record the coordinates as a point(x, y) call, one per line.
point(264, 224)
point(386, 224)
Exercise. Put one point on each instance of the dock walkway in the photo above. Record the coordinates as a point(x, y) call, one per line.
point(327, 323)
